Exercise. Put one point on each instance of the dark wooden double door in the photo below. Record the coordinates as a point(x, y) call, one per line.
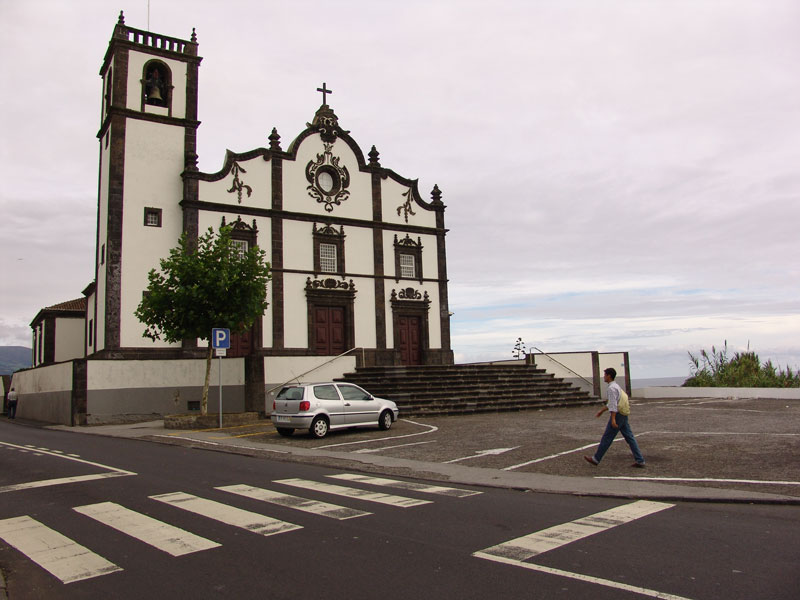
point(330, 337)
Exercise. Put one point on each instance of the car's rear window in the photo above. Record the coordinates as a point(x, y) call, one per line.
point(326, 392)
point(291, 393)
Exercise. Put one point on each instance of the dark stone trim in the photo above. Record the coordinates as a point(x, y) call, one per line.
point(351, 275)
point(276, 256)
point(143, 116)
point(307, 217)
point(596, 377)
point(79, 392)
point(340, 298)
point(328, 235)
point(120, 42)
point(254, 384)
point(412, 308)
point(114, 207)
point(49, 339)
point(227, 166)
point(444, 300)
point(627, 375)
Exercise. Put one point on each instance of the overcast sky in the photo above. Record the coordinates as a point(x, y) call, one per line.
point(619, 175)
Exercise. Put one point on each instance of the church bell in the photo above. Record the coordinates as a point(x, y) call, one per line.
point(155, 94)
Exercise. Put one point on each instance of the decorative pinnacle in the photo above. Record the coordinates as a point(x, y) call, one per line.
point(121, 20)
point(274, 140)
point(374, 157)
point(436, 194)
point(194, 36)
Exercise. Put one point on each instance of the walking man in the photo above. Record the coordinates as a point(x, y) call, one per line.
point(12, 403)
point(617, 423)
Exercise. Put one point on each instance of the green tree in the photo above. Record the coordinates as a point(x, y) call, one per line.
point(203, 285)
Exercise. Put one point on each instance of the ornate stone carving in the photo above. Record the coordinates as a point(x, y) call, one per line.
point(329, 180)
point(406, 206)
point(239, 185)
point(330, 284)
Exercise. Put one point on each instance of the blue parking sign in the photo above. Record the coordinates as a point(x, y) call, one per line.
point(220, 338)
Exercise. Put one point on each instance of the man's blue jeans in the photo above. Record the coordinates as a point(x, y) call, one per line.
point(609, 435)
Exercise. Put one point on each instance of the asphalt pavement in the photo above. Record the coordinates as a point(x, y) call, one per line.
point(699, 449)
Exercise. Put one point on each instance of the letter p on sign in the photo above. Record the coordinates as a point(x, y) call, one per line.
point(220, 338)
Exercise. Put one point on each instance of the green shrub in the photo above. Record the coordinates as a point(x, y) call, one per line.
point(744, 369)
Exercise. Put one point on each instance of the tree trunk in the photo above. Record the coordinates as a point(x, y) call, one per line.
point(204, 401)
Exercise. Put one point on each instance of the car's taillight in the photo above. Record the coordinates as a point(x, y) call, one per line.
point(305, 405)
point(273, 405)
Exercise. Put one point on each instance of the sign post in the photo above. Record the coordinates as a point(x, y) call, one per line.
point(220, 341)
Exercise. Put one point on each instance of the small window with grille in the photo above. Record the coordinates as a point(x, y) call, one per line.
point(241, 247)
point(152, 217)
point(407, 266)
point(327, 258)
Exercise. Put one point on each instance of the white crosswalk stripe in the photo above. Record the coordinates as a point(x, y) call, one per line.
point(528, 546)
point(62, 557)
point(163, 536)
point(229, 515)
point(323, 509)
point(406, 485)
point(338, 490)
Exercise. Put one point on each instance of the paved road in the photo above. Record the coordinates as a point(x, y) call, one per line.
point(114, 506)
point(747, 446)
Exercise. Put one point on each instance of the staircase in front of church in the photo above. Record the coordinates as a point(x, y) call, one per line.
point(467, 389)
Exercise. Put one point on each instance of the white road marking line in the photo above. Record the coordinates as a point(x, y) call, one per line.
point(59, 481)
point(432, 429)
point(406, 485)
point(587, 578)
point(63, 558)
point(165, 537)
point(371, 450)
point(323, 509)
point(528, 546)
point(338, 490)
point(703, 479)
point(544, 458)
point(113, 471)
point(480, 453)
point(229, 515)
point(733, 433)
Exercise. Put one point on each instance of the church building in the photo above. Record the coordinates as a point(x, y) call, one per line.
point(357, 255)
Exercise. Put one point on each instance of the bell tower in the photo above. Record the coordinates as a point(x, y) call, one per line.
point(148, 132)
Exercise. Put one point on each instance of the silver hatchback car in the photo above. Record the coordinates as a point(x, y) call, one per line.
point(322, 407)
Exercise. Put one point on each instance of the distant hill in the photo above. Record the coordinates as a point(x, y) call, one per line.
point(13, 358)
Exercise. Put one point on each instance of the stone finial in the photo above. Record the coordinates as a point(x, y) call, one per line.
point(190, 161)
point(374, 157)
point(121, 20)
point(436, 195)
point(274, 140)
point(193, 39)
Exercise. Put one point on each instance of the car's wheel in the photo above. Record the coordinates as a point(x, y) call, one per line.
point(319, 427)
point(385, 420)
point(285, 431)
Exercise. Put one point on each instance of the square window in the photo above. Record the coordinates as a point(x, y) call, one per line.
point(152, 217)
point(407, 269)
point(327, 258)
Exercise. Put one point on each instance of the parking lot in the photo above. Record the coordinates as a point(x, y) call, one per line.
point(745, 444)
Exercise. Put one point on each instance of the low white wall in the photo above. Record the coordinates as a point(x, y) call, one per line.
point(45, 393)
point(716, 392)
point(133, 390)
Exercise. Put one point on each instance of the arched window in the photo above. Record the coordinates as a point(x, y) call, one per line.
point(156, 84)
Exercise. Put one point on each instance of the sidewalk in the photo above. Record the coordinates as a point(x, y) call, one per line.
point(441, 472)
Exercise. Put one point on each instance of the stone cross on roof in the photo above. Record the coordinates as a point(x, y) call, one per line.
point(325, 92)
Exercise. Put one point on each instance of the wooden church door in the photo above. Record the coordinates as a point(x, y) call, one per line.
point(410, 334)
point(329, 334)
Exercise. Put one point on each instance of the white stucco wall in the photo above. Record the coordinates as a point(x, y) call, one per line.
point(136, 64)
point(153, 164)
point(298, 245)
point(257, 174)
point(364, 309)
point(613, 360)
point(102, 246)
point(70, 334)
point(295, 195)
point(137, 374)
point(295, 310)
point(45, 393)
point(392, 198)
point(358, 253)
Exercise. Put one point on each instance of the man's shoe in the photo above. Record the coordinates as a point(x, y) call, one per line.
point(638, 465)
point(590, 460)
